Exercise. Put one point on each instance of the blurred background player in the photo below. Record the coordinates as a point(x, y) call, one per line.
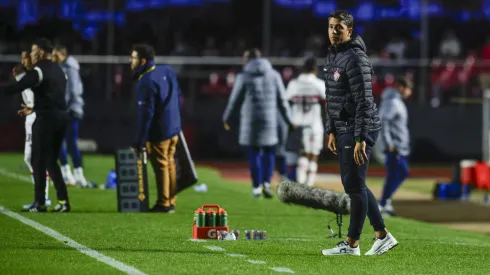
point(395, 140)
point(282, 135)
point(28, 99)
point(74, 100)
point(307, 93)
point(259, 93)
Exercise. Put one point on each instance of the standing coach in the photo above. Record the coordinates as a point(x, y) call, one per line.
point(48, 82)
point(159, 124)
point(353, 126)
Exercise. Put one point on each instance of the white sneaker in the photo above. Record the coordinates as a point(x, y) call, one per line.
point(257, 192)
point(381, 246)
point(267, 191)
point(68, 177)
point(79, 177)
point(388, 211)
point(342, 248)
point(47, 203)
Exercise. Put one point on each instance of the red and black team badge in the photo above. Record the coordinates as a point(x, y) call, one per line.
point(336, 75)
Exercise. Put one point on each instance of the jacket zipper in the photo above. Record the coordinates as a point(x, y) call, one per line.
point(326, 79)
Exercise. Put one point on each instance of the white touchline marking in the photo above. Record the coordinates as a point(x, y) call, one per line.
point(282, 269)
point(256, 262)
point(69, 242)
point(219, 248)
point(197, 240)
point(15, 175)
point(235, 255)
point(214, 248)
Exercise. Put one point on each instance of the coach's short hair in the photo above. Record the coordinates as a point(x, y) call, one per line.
point(310, 64)
point(404, 82)
point(344, 17)
point(145, 51)
point(44, 44)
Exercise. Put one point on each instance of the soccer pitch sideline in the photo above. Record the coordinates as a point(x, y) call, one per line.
point(95, 239)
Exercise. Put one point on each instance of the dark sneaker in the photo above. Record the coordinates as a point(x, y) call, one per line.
point(35, 208)
point(163, 209)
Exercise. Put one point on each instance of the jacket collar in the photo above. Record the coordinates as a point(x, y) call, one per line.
point(341, 47)
point(141, 70)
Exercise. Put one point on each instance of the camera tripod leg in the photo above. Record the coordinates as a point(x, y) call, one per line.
point(339, 224)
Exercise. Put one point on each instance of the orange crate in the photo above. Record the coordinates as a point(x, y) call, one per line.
point(208, 232)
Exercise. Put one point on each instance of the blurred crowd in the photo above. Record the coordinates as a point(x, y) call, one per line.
point(452, 72)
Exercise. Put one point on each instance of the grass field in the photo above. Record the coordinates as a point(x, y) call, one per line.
point(160, 243)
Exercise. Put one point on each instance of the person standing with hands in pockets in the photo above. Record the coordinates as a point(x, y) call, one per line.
point(352, 126)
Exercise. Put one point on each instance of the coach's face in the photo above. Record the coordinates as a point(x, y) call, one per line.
point(36, 54)
point(135, 60)
point(26, 60)
point(338, 32)
point(57, 56)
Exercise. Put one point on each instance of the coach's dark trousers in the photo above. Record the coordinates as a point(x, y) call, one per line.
point(48, 131)
point(353, 177)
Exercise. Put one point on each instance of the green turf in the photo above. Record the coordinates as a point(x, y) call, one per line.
point(159, 243)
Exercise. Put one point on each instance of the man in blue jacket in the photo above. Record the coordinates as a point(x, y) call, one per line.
point(159, 124)
point(395, 140)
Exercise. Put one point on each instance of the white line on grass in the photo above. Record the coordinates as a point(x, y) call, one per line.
point(197, 240)
point(219, 248)
point(256, 262)
point(235, 255)
point(282, 269)
point(214, 248)
point(15, 175)
point(69, 242)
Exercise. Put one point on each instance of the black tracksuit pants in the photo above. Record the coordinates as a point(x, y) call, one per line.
point(363, 202)
point(48, 132)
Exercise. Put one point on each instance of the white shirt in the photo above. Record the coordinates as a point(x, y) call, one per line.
point(27, 94)
point(307, 92)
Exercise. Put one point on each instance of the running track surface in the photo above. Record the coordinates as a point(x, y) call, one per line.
point(239, 170)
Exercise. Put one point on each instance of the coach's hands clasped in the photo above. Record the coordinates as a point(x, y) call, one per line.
point(25, 111)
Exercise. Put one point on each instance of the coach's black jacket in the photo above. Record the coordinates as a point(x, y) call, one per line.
point(348, 87)
point(48, 82)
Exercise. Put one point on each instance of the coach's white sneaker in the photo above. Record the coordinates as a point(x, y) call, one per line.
point(342, 248)
point(381, 246)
